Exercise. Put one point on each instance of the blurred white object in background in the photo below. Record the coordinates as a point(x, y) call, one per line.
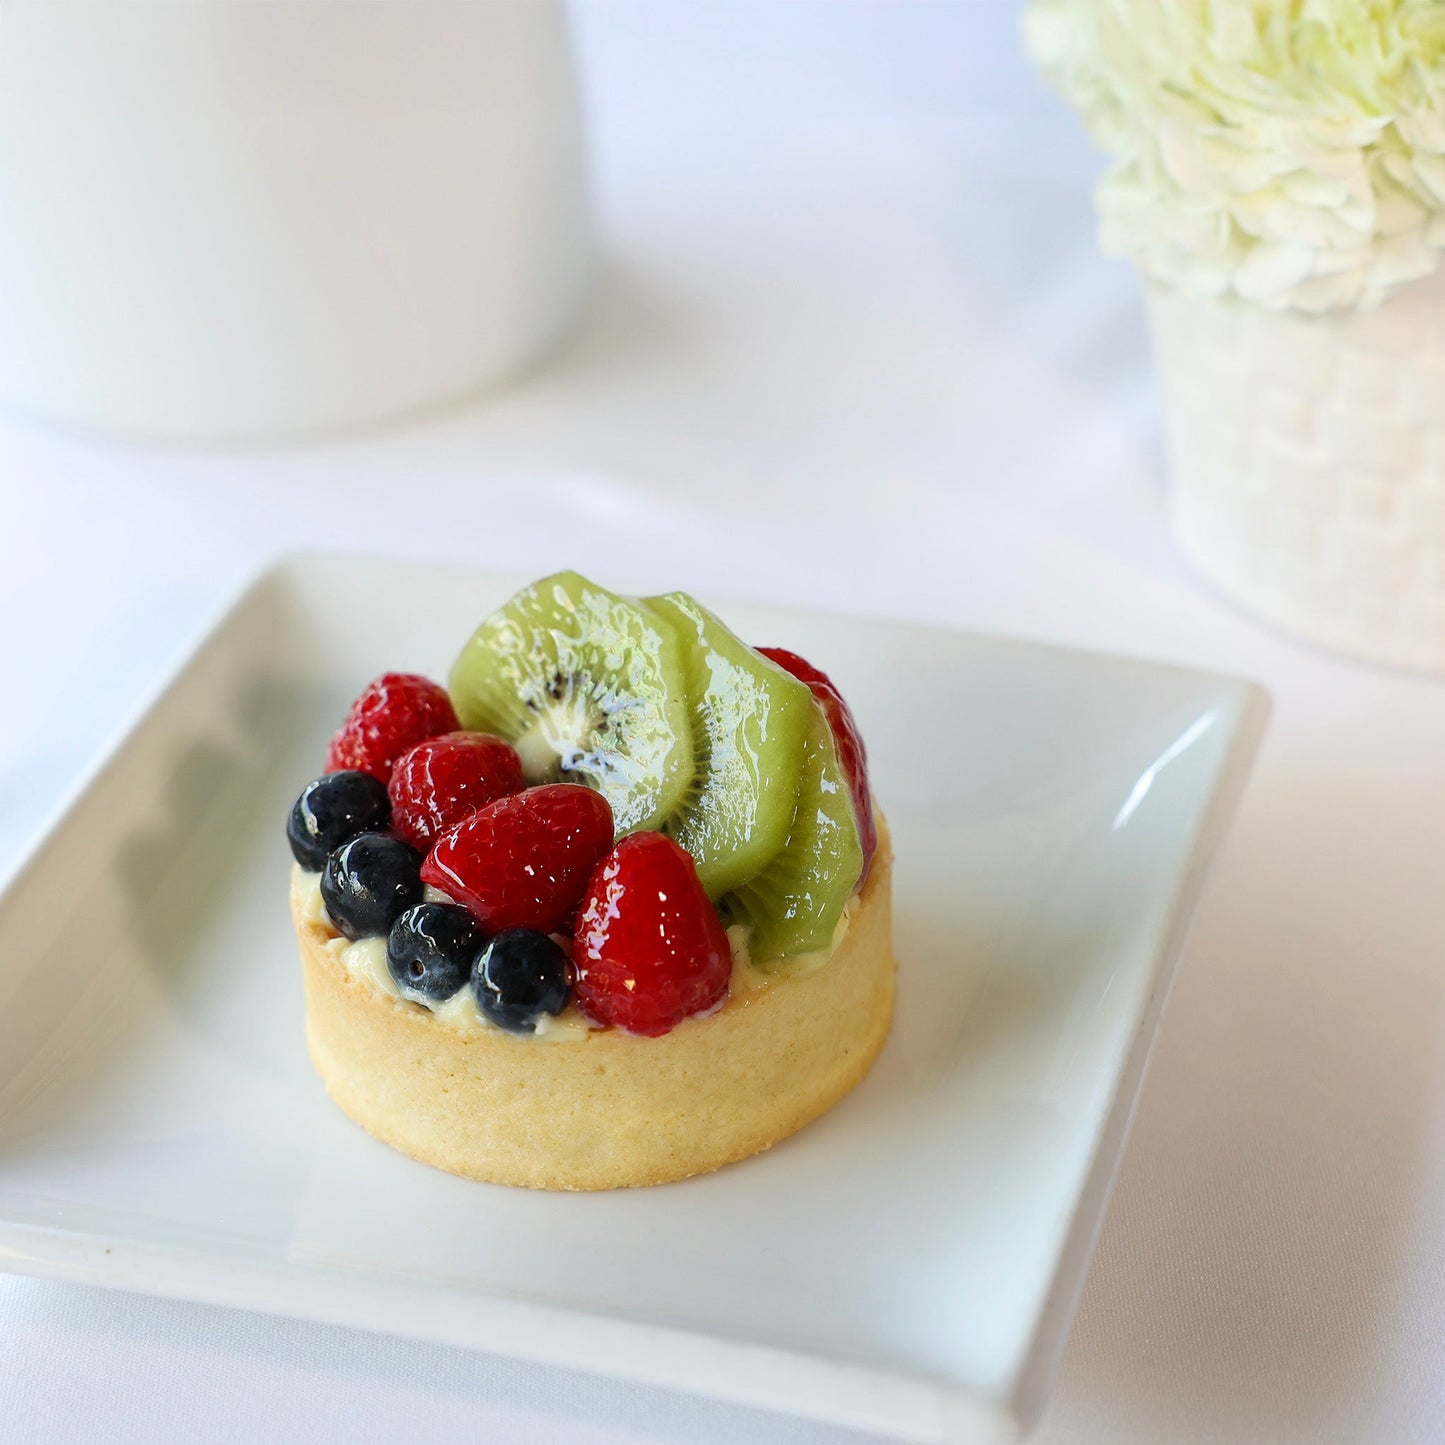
point(1307, 463)
point(1293, 236)
point(223, 219)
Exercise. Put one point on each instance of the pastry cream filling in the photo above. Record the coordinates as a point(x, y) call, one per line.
point(366, 959)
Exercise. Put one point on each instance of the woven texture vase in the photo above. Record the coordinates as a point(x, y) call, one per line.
point(1307, 459)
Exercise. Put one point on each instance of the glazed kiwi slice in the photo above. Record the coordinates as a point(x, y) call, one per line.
point(750, 721)
point(794, 904)
point(590, 688)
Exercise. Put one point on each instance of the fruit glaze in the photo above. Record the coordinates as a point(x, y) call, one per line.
point(616, 812)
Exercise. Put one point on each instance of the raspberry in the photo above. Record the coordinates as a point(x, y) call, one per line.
point(650, 949)
point(443, 780)
point(394, 713)
point(523, 861)
point(851, 752)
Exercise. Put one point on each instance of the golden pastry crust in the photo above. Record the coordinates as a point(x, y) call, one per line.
point(606, 1110)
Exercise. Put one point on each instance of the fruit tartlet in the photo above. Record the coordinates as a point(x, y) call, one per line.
point(612, 908)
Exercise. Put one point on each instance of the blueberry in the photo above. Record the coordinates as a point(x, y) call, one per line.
point(431, 949)
point(520, 975)
point(332, 811)
point(369, 883)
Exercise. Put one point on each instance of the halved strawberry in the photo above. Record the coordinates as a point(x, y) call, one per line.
point(443, 780)
point(524, 861)
point(393, 713)
point(649, 949)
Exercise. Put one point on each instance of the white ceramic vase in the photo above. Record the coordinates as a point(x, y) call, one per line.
point(1307, 459)
point(233, 219)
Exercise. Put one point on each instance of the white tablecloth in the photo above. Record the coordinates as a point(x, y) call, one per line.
point(854, 348)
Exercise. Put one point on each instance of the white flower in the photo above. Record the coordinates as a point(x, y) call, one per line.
point(1290, 152)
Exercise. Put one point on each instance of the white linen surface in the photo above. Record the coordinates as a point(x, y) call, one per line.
point(854, 348)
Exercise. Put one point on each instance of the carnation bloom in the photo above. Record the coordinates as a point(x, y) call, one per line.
point(1289, 152)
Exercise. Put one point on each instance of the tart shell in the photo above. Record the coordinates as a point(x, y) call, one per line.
point(606, 1110)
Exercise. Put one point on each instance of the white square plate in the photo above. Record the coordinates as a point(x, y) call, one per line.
point(908, 1264)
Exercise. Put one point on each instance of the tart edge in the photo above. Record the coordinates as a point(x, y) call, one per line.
point(608, 1110)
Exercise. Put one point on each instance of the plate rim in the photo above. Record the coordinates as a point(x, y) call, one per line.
point(1076, 1254)
point(844, 1392)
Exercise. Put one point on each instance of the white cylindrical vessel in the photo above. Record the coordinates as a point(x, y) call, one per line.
point(1307, 464)
point(224, 219)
